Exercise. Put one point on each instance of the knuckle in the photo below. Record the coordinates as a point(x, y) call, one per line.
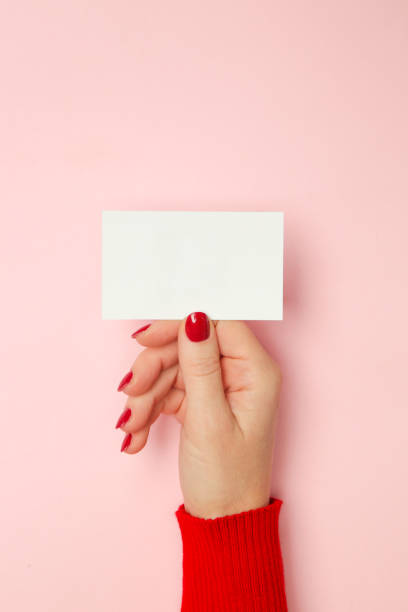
point(205, 365)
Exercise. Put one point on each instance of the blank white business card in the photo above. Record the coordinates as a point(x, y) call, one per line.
point(164, 265)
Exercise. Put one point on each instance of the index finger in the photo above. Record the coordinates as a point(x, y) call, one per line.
point(157, 333)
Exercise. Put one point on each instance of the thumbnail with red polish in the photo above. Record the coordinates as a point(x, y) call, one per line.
point(124, 417)
point(197, 326)
point(125, 380)
point(141, 329)
point(126, 441)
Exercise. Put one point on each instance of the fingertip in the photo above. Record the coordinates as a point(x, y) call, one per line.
point(124, 417)
point(125, 380)
point(133, 443)
point(157, 334)
point(140, 330)
point(126, 442)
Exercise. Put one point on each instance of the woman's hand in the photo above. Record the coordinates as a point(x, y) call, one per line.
point(223, 387)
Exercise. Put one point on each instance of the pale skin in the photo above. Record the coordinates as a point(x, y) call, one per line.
point(224, 391)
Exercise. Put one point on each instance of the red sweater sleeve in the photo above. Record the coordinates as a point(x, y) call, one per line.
point(233, 563)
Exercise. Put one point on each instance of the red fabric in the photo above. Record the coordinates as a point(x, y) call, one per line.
point(233, 563)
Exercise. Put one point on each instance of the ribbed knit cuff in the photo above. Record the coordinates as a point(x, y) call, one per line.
point(233, 563)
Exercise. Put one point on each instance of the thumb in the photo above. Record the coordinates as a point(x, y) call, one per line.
point(199, 359)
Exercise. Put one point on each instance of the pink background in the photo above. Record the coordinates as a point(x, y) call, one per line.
point(216, 105)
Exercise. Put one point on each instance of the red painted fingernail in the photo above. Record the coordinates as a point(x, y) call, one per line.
point(197, 326)
point(124, 417)
point(127, 440)
point(140, 330)
point(125, 380)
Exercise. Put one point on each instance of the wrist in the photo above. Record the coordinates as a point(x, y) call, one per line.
point(212, 511)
